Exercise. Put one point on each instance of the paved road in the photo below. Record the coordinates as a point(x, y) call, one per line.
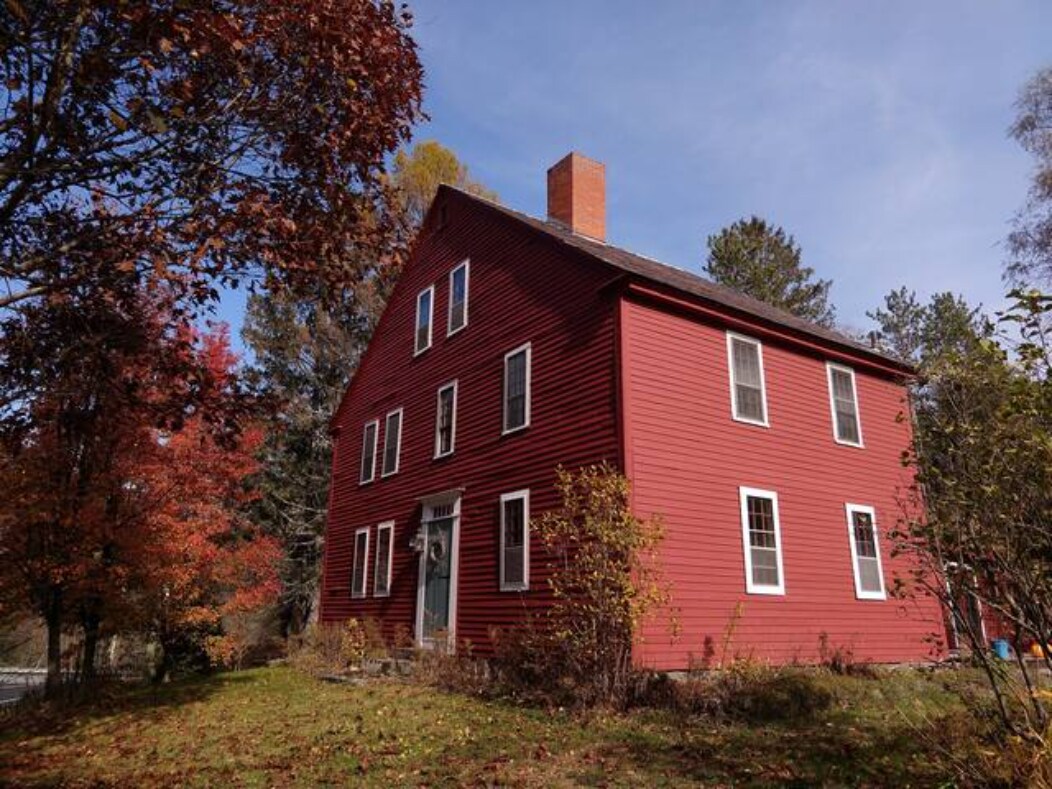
point(15, 684)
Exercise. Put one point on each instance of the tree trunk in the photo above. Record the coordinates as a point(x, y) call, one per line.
point(53, 620)
point(91, 646)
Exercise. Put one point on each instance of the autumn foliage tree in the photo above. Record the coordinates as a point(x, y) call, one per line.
point(419, 172)
point(102, 386)
point(243, 139)
point(198, 558)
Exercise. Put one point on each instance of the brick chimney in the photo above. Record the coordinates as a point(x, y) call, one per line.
point(577, 195)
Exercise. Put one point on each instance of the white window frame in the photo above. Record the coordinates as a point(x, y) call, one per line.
point(375, 425)
point(387, 526)
point(365, 564)
point(830, 367)
point(387, 437)
point(524, 495)
point(743, 498)
point(505, 430)
point(466, 265)
point(430, 289)
point(438, 420)
point(765, 422)
point(860, 593)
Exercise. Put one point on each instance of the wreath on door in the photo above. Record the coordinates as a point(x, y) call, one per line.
point(438, 550)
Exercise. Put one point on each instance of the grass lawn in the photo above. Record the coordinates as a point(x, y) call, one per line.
point(273, 726)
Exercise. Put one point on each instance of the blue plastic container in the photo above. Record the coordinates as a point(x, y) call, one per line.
point(1002, 649)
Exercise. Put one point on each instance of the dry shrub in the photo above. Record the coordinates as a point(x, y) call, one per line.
point(374, 645)
point(840, 659)
point(977, 753)
point(974, 747)
point(329, 648)
point(604, 580)
point(456, 670)
point(247, 638)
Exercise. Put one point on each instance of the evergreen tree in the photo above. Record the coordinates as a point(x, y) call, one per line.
point(762, 261)
point(923, 333)
point(306, 350)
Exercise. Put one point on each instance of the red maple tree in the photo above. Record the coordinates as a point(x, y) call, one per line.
point(126, 472)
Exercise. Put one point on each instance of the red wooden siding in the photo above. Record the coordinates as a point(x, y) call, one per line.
point(687, 458)
point(523, 288)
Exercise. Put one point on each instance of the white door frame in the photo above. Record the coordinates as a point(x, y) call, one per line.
point(429, 506)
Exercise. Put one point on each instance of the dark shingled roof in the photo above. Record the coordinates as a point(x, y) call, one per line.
point(692, 284)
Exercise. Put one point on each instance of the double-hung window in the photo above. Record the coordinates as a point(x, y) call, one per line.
point(762, 540)
point(446, 420)
point(458, 299)
point(382, 569)
point(865, 552)
point(392, 443)
point(843, 401)
point(425, 303)
point(360, 567)
point(517, 389)
point(368, 469)
point(515, 541)
point(748, 398)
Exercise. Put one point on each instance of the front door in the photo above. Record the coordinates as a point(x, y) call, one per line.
point(436, 596)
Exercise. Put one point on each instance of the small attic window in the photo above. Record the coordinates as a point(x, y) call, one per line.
point(443, 217)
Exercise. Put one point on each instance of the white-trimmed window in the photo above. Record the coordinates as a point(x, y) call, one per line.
point(368, 468)
point(446, 420)
point(384, 552)
point(865, 552)
point(748, 393)
point(458, 299)
point(425, 308)
point(762, 539)
point(515, 541)
point(517, 388)
point(392, 443)
point(843, 402)
point(360, 567)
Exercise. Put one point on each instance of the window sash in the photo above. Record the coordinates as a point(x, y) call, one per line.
point(843, 398)
point(517, 389)
point(514, 541)
point(392, 443)
point(458, 298)
point(446, 420)
point(382, 571)
point(368, 466)
point(748, 395)
point(761, 538)
point(360, 565)
point(865, 552)
point(425, 304)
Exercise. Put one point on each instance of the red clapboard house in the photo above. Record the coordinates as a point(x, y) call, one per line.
point(512, 345)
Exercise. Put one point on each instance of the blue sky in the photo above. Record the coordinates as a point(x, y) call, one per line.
point(875, 133)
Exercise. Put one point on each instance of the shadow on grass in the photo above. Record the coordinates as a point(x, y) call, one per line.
point(36, 716)
point(784, 754)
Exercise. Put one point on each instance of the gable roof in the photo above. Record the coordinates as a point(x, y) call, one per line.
point(691, 284)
